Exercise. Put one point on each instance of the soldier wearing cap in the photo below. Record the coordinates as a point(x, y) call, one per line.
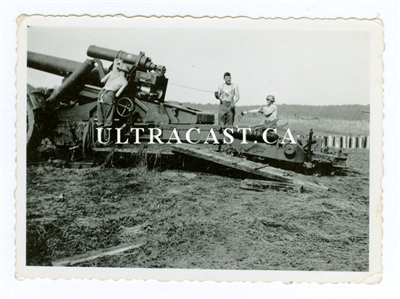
point(228, 96)
point(270, 111)
point(115, 84)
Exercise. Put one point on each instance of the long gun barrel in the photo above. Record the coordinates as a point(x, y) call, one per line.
point(73, 80)
point(141, 60)
point(76, 74)
point(50, 64)
point(73, 71)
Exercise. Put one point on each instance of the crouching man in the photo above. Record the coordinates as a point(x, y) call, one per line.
point(270, 111)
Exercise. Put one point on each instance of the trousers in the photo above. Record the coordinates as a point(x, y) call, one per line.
point(105, 108)
point(226, 113)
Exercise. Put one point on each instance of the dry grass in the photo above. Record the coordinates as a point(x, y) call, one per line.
point(196, 220)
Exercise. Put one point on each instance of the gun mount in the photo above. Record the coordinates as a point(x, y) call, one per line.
point(140, 61)
point(67, 115)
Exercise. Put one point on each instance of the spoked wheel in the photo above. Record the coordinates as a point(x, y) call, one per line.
point(124, 107)
point(33, 132)
point(30, 121)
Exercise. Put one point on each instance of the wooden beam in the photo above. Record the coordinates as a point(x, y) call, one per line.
point(229, 161)
point(91, 255)
point(260, 185)
point(255, 168)
point(133, 150)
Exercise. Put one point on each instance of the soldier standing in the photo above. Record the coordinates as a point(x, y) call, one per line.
point(228, 95)
point(115, 84)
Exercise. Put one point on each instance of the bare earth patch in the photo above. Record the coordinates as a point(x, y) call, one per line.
point(197, 220)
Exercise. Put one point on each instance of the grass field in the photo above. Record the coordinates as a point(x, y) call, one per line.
point(339, 112)
point(197, 219)
point(344, 120)
point(321, 127)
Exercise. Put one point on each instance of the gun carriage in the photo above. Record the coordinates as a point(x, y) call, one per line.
point(67, 116)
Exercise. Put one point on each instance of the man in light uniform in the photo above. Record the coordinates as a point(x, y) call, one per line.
point(270, 111)
point(115, 84)
point(228, 95)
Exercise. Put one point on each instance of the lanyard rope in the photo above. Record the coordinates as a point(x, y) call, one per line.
point(191, 88)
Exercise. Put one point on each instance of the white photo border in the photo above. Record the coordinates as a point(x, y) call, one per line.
point(387, 12)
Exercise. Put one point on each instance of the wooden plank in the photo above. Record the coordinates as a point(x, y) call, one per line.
point(204, 153)
point(233, 162)
point(251, 164)
point(134, 150)
point(260, 185)
point(91, 255)
point(352, 170)
point(255, 168)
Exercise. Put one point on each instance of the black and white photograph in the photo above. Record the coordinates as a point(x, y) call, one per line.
point(229, 149)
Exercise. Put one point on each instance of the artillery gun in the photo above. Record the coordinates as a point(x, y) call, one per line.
point(144, 120)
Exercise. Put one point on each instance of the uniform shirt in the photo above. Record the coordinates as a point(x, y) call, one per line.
point(270, 112)
point(115, 81)
point(228, 93)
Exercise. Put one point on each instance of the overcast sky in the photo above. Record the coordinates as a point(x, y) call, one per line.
point(296, 66)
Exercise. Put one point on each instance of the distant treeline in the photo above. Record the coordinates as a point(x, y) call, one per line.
point(348, 112)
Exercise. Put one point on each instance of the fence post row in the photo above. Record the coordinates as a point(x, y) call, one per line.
point(344, 141)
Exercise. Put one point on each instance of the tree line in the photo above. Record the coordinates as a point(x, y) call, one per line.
point(348, 112)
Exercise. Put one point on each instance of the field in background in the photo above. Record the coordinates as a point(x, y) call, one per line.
point(321, 127)
point(342, 112)
point(349, 120)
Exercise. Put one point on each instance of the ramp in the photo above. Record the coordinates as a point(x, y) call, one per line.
point(242, 164)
